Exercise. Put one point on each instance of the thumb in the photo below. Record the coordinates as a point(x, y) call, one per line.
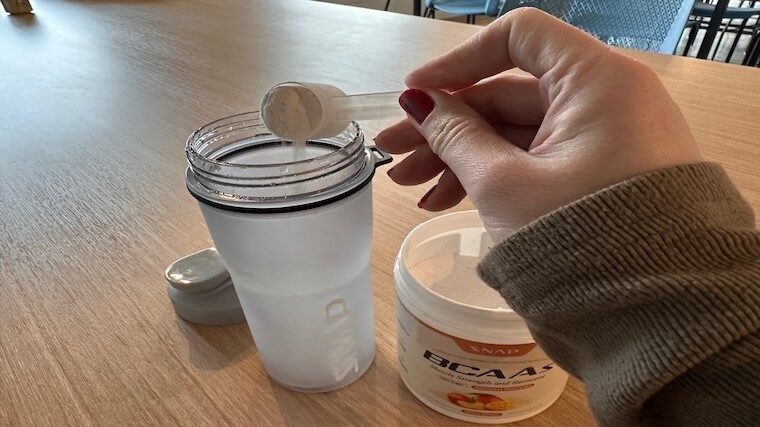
point(456, 133)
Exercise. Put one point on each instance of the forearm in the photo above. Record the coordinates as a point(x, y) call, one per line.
point(646, 291)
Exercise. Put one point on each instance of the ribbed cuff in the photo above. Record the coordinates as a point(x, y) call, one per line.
point(623, 230)
point(632, 287)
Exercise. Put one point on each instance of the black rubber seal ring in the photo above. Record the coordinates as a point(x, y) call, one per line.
point(287, 209)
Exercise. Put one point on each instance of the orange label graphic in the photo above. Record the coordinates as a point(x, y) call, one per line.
point(498, 350)
point(481, 348)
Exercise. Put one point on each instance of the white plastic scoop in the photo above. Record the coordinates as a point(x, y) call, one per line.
point(302, 111)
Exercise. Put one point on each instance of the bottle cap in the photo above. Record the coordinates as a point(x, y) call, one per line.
point(201, 290)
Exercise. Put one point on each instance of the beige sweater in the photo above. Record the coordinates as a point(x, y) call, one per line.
point(649, 292)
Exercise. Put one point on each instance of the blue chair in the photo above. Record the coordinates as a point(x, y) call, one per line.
point(652, 25)
point(468, 8)
point(744, 12)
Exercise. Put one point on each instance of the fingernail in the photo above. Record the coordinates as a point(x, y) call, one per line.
point(417, 103)
point(390, 172)
point(425, 197)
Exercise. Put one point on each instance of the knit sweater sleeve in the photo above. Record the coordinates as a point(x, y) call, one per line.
point(649, 293)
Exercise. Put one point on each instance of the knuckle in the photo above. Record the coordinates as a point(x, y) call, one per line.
point(528, 14)
point(645, 75)
point(447, 133)
point(634, 68)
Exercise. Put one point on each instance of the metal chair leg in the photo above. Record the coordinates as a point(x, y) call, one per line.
point(693, 30)
point(739, 34)
point(720, 40)
point(752, 57)
point(387, 4)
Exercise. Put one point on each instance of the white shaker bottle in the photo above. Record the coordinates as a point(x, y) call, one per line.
point(295, 236)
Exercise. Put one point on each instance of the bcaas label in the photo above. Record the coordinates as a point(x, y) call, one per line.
point(463, 378)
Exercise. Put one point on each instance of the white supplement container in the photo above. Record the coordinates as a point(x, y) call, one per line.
point(461, 350)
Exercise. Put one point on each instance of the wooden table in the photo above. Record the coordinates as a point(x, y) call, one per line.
point(98, 98)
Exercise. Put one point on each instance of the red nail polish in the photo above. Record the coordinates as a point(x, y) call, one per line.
point(390, 171)
point(417, 103)
point(425, 197)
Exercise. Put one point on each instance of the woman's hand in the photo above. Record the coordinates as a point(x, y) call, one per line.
point(522, 146)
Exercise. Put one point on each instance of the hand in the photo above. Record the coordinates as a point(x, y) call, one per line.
point(523, 146)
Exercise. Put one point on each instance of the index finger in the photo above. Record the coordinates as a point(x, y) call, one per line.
point(527, 38)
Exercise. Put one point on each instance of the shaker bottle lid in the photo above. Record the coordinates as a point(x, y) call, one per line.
point(201, 291)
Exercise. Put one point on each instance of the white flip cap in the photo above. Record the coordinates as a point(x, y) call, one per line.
point(201, 290)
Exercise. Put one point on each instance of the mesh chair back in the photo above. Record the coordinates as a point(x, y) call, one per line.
point(479, 7)
point(653, 25)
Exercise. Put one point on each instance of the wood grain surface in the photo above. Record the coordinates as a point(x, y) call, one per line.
point(97, 100)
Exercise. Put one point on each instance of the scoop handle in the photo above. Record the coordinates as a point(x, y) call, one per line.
point(369, 106)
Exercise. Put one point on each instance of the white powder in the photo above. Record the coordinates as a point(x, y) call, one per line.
point(291, 112)
point(455, 277)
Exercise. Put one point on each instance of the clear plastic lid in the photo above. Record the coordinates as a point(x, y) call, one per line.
point(237, 164)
